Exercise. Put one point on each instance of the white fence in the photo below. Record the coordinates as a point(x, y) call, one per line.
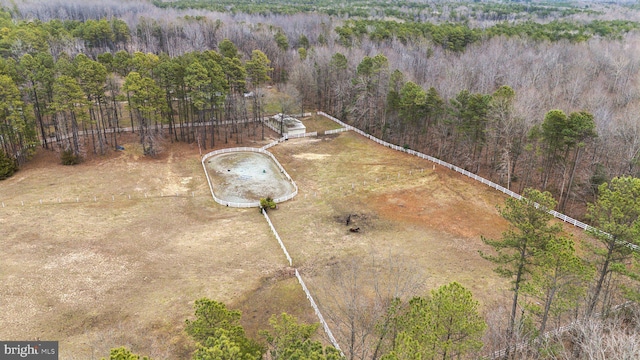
point(284, 138)
point(297, 136)
point(248, 204)
point(270, 126)
point(325, 326)
point(272, 144)
point(327, 330)
point(273, 230)
point(335, 131)
point(556, 214)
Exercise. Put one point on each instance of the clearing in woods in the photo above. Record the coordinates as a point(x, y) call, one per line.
point(124, 268)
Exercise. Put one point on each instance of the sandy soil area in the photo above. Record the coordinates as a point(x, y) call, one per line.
point(246, 177)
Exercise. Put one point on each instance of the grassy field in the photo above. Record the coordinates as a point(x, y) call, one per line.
point(405, 208)
point(121, 246)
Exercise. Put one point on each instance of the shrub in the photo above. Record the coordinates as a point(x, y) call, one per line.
point(8, 166)
point(69, 158)
point(267, 203)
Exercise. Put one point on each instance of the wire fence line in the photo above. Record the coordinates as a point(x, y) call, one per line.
point(487, 182)
point(118, 130)
point(98, 198)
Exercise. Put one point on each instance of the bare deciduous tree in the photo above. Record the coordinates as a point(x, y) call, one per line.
point(357, 297)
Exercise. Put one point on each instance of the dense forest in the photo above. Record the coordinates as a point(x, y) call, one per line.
point(530, 95)
point(469, 87)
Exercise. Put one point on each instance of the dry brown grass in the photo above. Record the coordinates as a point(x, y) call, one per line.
point(319, 124)
point(106, 273)
point(406, 210)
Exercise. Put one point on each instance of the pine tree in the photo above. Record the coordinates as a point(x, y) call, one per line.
point(616, 218)
point(123, 353)
point(213, 320)
point(289, 339)
point(529, 233)
point(7, 166)
point(445, 326)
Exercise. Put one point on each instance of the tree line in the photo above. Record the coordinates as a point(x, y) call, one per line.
point(556, 115)
point(403, 10)
point(457, 36)
point(76, 103)
point(469, 117)
point(444, 325)
point(480, 132)
point(557, 279)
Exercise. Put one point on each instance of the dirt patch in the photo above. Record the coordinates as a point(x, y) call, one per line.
point(246, 177)
point(119, 247)
point(311, 156)
point(411, 212)
point(112, 257)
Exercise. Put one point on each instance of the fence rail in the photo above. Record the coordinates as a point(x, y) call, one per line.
point(327, 330)
point(563, 217)
point(325, 326)
point(490, 183)
point(266, 119)
point(335, 131)
point(298, 136)
point(275, 233)
point(247, 149)
point(270, 126)
point(263, 150)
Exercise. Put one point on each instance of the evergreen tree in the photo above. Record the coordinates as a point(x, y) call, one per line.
point(219, 328)
point(558, 281)
point(148, 103)
point(92, 78)
point(123, 353)
point(289, 339)
point(17, 129)
point(258, 72)
point(223, 346)
point(37, 73)
point(413, 99)
point(529, 233)
point(7, 166)
point(71, 110)
point(445, 326)
point(616, 218)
